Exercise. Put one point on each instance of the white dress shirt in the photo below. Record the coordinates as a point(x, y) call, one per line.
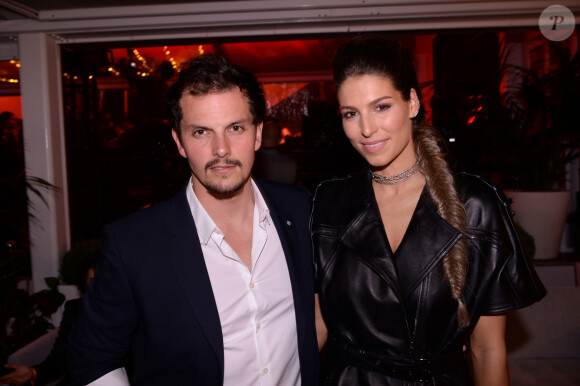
point(116, 377)
point(256, 307)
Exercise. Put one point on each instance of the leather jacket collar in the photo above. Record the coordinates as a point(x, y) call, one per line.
point(428, 238)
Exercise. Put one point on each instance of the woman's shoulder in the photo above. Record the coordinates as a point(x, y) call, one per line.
point(330, 187)
point(341, 197)
point(347, 187)
point(486, 205)
point(474, 189)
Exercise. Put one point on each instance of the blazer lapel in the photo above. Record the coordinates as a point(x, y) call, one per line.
point(185, 255)
point(285, 226)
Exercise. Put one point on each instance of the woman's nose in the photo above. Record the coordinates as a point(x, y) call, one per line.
point(367, 127)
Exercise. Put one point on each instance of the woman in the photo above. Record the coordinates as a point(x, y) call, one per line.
point(416, 267)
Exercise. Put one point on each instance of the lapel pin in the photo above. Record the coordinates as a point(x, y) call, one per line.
point(288, 222)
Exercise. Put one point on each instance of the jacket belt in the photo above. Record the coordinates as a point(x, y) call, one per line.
point(420, 370)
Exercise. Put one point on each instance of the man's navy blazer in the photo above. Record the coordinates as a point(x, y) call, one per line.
point(151, 305)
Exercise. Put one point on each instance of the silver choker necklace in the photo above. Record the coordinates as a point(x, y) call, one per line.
point(397, 178)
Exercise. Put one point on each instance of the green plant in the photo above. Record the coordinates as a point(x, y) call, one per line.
point(24, 317)
point(543, 133)
point(515, 126)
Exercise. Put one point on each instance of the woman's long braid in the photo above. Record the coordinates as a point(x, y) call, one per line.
point(434, 167)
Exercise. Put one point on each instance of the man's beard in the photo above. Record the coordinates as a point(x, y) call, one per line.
point(216, 189)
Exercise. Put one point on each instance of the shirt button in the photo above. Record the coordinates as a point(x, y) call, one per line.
point(265, 371)
point(259, 326)
point(251, 285)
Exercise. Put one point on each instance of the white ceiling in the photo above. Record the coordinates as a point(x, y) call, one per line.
point(94, 19)
point(98, 21)
point(24, 9)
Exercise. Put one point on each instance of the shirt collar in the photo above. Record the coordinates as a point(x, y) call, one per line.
point(264, 217)
point(205, 225)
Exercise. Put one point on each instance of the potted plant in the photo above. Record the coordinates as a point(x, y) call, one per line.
point(543, 137)
point(23, 316)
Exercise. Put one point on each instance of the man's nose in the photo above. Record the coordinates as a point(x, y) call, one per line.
point(221, 146)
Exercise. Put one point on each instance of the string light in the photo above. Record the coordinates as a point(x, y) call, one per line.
point(113, 71)
point(169, 57)
point(142, 60)
point(4, 79)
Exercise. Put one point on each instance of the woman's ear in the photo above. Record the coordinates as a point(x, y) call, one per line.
point(414, 104)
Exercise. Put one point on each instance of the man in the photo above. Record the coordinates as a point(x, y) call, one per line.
point(271, 164)
point(214, 286)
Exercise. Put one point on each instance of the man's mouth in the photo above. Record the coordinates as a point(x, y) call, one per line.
point(222, 165)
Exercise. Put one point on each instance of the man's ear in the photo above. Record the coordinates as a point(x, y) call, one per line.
point(178, 143)
point(258, 142)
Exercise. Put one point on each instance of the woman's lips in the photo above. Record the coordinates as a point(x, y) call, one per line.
point(374, 146)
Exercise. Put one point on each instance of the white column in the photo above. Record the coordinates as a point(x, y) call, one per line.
point(44, 146)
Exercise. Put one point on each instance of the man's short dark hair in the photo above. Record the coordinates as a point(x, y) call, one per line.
point(210, 73)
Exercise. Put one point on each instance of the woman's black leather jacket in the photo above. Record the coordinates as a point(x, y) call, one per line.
point(391, 317)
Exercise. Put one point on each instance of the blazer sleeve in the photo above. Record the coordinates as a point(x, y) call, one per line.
point(107, 318)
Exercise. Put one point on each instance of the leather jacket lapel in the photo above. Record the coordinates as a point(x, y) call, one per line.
point(365, 235)
point(427, 240)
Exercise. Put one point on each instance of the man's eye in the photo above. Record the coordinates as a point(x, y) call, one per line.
point(236, 129)
point(199, 132)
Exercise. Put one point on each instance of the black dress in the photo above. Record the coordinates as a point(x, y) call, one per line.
point(390, 316)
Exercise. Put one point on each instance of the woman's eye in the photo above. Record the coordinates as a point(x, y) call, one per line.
point(382, 107)
point(348, 114)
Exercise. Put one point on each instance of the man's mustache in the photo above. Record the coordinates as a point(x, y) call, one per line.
point(216, 161)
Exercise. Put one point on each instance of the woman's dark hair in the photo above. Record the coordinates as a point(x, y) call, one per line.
point(376, 56)
point(88, 263)
point(384, 57)
point(210, 73)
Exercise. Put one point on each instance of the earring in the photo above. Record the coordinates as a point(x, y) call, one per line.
point(418, 108)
